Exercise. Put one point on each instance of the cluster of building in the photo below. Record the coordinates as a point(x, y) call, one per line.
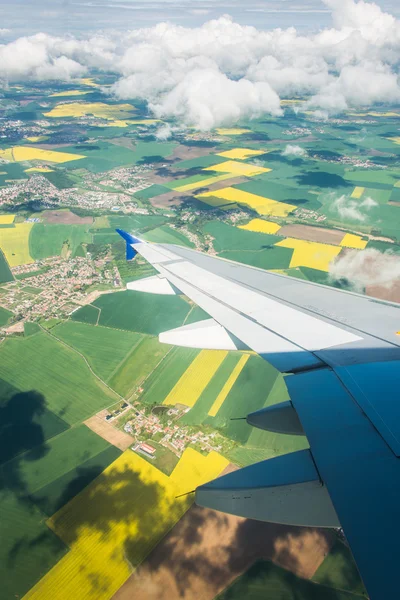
point(169, 432)
point(354, 161)
point(297, 131)
point(13, 129)
point(305, 213)
point(39, 189)
point(58, 288)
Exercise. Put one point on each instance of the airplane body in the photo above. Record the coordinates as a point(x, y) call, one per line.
point(340, 353)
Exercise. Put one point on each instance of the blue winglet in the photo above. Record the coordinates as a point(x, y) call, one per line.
point(130, 239)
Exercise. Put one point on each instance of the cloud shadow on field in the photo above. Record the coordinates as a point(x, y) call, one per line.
point(24, 418)
point(322, 179)
point(207, 549)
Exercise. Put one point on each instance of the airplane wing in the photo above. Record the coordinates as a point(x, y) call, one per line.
point(340, 352)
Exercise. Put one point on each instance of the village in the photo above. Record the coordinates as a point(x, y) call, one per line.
point(57, 287)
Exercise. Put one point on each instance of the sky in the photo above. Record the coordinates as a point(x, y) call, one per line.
point(208, 64)
point(25, 17)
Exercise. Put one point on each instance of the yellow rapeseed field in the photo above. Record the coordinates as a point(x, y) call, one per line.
point(231, 131)
point(39, 170)
point(237, 168)
point(6, 219)
point(37, 138)
point(240, 153)
point(293, 101)
point(14, 241)
point(358, 192)
point(22, 153)
point(202, 183)
point(261, 226)
point(98, 109)
point(194, 380)
point(310, 254)
point(70, 93)
point(264, 206)
point(228, 385)
point(353, 241)
point(112, 525)
point(89, 81)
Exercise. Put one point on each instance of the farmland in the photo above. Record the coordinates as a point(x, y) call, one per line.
point(14, 242)
point(115, 534)
point(57, 373)
point(138, 364)
point(104, 348)
point(167, 374)
point(134, 311)
point(48, 239)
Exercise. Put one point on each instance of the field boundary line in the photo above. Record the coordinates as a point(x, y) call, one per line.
point(84, 358)
point(126, 357)
point(151, 372)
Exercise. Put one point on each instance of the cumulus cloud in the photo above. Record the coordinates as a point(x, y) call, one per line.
point(351, 209)
point(367, 267)
point(223, 71)
point(294, 150)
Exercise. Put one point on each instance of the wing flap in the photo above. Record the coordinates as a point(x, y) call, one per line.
point(283, 490)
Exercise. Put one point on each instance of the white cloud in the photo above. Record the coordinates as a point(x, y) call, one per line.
point(294, 150)
point(367, 267)
point(223, 71)
point(354, 210)
point(206, 98)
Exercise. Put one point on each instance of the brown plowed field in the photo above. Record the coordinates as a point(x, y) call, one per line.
point(118, 438)
point(66, 217)
point(207, 550)
point(312, 234)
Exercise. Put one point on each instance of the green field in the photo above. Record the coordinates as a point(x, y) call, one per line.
point(265, 581)
point(166, 235)
point(87, 314)
point(5, 273)
point(31, 328)
point(47, 239)
point(135, 223)
point(42, 364)
point(151, 192)
point(138, 364)
point(5, 316)
point(104, 348)
point(339, 570)
point(167, 374)
point(28, 547)
point(144, 313)
point(228, 237)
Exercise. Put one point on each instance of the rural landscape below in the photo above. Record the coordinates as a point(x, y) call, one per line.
point(104, 429)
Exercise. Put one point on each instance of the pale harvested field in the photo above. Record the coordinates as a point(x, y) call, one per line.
point(66, 217)
point(189, 152)
point(207, 550)
point(105, 430)
point(312, 234)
